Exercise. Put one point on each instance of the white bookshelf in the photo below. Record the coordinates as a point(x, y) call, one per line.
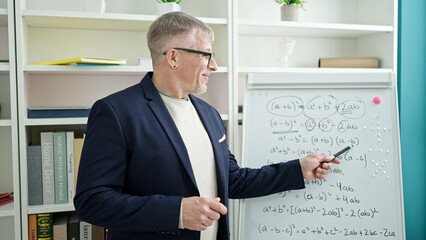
point(326, 29)
point(249, 39)
point(10, 217)
point(49, 30)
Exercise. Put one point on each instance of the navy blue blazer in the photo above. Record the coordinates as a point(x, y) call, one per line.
point(135, 170)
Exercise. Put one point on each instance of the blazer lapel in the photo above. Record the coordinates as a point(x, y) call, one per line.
point(159, 109)
point(206, 119)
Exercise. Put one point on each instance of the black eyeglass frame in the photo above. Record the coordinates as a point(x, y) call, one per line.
point(210, 55)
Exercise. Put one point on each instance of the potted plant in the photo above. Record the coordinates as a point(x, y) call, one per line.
point(290, 9)
point(165, 6)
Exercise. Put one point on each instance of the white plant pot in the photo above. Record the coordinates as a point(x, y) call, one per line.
point(167, 7)
point(95, 6)
point(290, 12)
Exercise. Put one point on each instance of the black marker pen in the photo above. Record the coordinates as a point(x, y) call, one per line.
point(338, 153)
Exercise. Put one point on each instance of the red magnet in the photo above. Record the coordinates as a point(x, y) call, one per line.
point(377, 100)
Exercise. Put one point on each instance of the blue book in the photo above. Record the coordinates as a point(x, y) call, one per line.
point(58, 112)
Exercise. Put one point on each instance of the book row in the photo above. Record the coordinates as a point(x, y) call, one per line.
point(52, 168)
point(62, 226)
point(6, 198)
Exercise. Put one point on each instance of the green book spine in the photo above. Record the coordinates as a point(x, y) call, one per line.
point(45, 226)
point(47, 167)
point(60, 162)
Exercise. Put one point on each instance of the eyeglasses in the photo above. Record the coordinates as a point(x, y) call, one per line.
point(210, 55)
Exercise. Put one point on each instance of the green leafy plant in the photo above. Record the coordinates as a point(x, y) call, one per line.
point(165, 1)
point(289, 2)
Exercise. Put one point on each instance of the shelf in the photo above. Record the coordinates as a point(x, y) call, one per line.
point(50, 208)
point(55, 121)
point(5, 122)
point(86, 20)
point(246, 70)
point(66, 121)
point(84, 70)
point(4, 68)
point(301, 29)
point(7, 210)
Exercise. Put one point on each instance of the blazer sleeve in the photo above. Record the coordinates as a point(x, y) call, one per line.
point(269, 179)
point(99, 198)
point(258, 182)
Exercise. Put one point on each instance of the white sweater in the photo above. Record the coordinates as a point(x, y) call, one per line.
point(199, 149)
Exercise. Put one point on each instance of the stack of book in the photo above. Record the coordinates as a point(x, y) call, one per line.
point(54, 181)
point(62, 226)
point(85, 61)
point(6, 198)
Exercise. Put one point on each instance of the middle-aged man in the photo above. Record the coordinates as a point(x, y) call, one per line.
point(155, 161)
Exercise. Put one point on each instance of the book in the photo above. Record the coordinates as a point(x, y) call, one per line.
point(60, 226)
point(32, 227)
point(78, 148)
point(70, 165)
point(98, 233)
point(73, 227)
point(6, 198)
point(34, 173)
point(4, 61)
point(58, 112)
point(45, 226)
point(85, 231)
point(5, 195)
point(46, 139)
point(361, 62)
point(85, 59)
point(60, 163)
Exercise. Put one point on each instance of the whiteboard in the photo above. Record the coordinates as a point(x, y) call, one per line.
point(289, 115)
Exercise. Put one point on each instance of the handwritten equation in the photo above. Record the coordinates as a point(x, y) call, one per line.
point(356, 199)
point(294, 230)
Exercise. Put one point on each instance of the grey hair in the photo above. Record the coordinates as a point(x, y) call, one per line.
point(170, 26)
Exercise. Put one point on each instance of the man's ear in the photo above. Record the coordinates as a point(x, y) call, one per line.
point(172, 58)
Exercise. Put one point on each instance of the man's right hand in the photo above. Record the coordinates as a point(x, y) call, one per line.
point(199, 212)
